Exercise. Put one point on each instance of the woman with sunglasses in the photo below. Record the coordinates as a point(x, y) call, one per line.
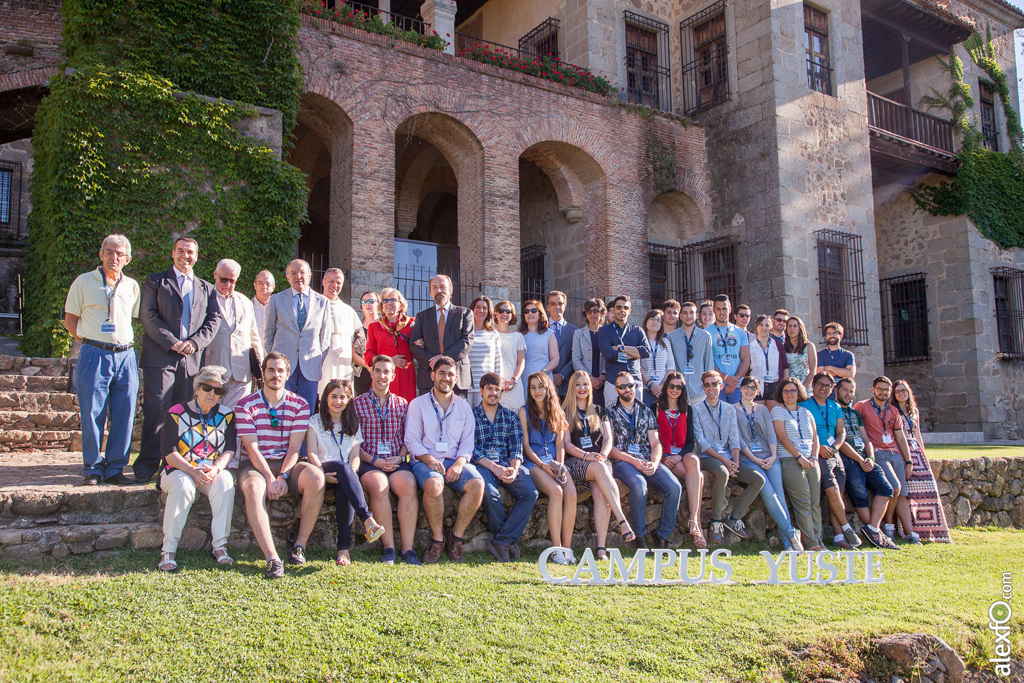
point(513, 356)
point(760, 455)
point(199, 444)
point(801, 476)
point(369, 303)
point(485, 353)
point(589, 441)
point(768, 361)
point(541, 344)
point(389, 336)
point(654, 367)
point(586, 352)
point(332, 444)
point(544, 426)
point(675, 428)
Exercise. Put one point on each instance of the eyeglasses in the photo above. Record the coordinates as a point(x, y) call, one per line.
point(625, 387)
point(675, 387)
point(531, 311)
point(595, 311)
point(824, 385)
point(367, 302)
point(748, 387)
point(708, 385)
point(391, 300)
point(118, 254)
point(503, 311)
point(219, 391)
point(791, 391)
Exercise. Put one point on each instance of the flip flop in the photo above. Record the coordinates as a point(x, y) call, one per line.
point(698, 537)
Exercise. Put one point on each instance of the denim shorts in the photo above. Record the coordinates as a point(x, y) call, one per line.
point(424, 473)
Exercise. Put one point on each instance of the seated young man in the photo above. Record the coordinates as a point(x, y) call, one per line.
point(498, 455)
point(272, 426)
point(439, 433)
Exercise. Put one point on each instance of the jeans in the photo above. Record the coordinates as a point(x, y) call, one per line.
point(859, 482)
point(106, 382)
point(507, 528)
point(306, 388)
point(733, 396)
point(774, 497)
point(637, 483)
point(803, 488)
point(424, 473)
point(348, 499)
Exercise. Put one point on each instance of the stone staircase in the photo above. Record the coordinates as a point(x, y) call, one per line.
point(37, 412)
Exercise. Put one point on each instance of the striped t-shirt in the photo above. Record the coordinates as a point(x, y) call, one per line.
point(254, 417)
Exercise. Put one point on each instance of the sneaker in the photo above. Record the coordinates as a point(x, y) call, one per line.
point(569, 556)
point(388, 556)
point(913, 538)
point(558, 557)
point(889, 544)
point(118, 480)
point(514, 553)
point(275, 569)
point(842, 544)
point(852, 538)
point(297, 555)
point(717, 532)
point(409, 557)
point(890, 531)
point(876, 538)
point(797, 541)
point(499, 551)
point(736, 526)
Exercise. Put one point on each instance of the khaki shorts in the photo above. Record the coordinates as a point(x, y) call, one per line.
point(246, 471)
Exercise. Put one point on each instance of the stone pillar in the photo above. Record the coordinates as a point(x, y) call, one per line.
point(591, 36)
point(440, 14)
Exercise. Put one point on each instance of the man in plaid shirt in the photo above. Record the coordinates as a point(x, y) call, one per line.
point(498, 454)
point(385, 467)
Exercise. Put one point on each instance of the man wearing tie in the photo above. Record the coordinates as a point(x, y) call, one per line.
point(442, 330)
point(180, 317)
point(237, 335)
point(564, 332)
point(299, 326)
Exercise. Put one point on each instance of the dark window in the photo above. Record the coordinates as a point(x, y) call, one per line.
point(1008, 284)
point(819, 71)
point(541, 41)
point(705, 59)
point(10, 203)
point(531, 266)
point(905, 319)
point(987, 103)
point(648, 81)
point(694, 272)
point(841, 289)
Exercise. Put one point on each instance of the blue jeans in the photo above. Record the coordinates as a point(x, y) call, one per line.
point(637, 483)
point(734, 396)
point(306, 388)
point(106, 382)
point(859, 482)
point(774, 497)
point(423, 473)
point(507, 528)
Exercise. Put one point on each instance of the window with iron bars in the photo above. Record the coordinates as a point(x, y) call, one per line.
point(10, 203)
point(819, 71)
point(1008, 286)
point(841, 288)
point(693, 272)
point(705, 59)
point(648, 80)
point(987, 104)
point(541, 41)
point(532, 272)
point(905, 318)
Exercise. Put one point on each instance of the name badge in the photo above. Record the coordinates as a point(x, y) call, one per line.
point(831, 441)
point(887, 438)
point(675, 450)
point(441, 446)
point(912, 442)
point(494, 456)
point(720, 447)
point(805, 446)
point(756, 447)
point(858, 442)
point(384, 450)
point(634, 449)
point(688, 370)
point(108, 328)
point(204, 463)
point(586, 441)
point(623, 358)
point(768, 379)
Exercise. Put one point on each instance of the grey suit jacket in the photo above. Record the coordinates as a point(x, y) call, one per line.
point(583, 353)
point(238, 332)
point(305, 348)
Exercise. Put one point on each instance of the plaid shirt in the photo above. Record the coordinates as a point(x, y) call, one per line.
point(627, 433)
point(500, 442)
point(377, 431)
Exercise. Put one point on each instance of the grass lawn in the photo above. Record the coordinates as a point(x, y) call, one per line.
point(940, 451)
point(119, 619)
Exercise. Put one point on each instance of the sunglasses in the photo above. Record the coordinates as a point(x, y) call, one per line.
point(594, 311)
point(675, 387)
point(503, 311)
point(390, 301)
point(622, 308)
point(273, 417)
point(219, 391)
point(742, 315)
point(531, 311)
point(708, 385)
point(622, 387)
point(366, 302)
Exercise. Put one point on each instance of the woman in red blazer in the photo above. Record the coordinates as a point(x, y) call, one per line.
point(389, 336)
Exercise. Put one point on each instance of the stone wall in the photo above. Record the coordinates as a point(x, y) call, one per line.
point(982, 491)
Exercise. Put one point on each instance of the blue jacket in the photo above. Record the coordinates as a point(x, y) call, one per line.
point(608, 338)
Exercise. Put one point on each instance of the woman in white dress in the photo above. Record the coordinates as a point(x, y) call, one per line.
point(485, 353)
point(513, 356)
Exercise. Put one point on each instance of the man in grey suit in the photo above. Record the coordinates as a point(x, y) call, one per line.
point(299, 326)
point(428, 345)
point(563, 333)
point(180, 317)
point(237, 335)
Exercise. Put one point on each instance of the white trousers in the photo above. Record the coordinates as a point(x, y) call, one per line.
point(181, 493)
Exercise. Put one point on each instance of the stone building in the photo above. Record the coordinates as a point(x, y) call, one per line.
point(764, 149)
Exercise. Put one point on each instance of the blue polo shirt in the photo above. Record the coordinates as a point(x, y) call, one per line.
point(726, 344)
point(825, 417)
point(840, 358)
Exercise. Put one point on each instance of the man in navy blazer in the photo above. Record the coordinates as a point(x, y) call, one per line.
point(457, 338)
point(173, 345)
point(564, 332)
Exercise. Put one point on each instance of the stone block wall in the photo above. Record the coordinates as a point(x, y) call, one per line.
point(982, 491)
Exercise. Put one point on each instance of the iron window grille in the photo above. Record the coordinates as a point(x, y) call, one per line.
point(648, 80)
point(841, 289)
point(987, 103)
point(705, 59)
point(10, 203)
point(400, 21)
point(1008, 286)
point(542, 41)
point(905, 318)
point(819, 71)
point(413, 280)
point(693, 272)
point(532, 272)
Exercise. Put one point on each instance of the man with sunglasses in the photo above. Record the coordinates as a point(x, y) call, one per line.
point(742, 317)
point(779, 319)
point(622, 346)
point(98, 312)
point(692, 351)
point(272, 425)
point(586, 350)
point(237, 335)
point(636, 456)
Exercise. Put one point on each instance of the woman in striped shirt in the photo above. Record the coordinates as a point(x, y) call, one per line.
point(485, 353)
point(801, 475)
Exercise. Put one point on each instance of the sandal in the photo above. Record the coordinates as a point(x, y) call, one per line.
point(222, 557)
point(373, 532)
point(167, 563)
point(602, 553)
point(698, 536)
point(343, 560)
point(629, 536)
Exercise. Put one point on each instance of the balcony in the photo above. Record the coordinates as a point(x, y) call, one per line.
point(902, 137)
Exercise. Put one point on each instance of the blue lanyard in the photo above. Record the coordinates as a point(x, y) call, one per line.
point(654, 355)
point(718, 422)
point(620, 335)
point(440, 418)
point(723, 337)
point(750, 418)
point(764, 350)
point(689, 346)
point(206, 425)
point(490, 427)
point(881, 415)
point(909, 419)
point(672, 423)
point(632, 424)
point(824, 414)
point(796, 418)
point(382, 415)
point(338, 441)
point(112, 294)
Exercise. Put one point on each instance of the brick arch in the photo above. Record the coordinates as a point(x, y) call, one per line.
point(688, 185)
point(423, 170)
point(674, 218)
point(30, 78)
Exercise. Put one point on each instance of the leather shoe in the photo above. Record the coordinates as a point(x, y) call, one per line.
point(453, 546)
point(499, 551)
point(91, 480)
point(117, 480)
point(433, 553)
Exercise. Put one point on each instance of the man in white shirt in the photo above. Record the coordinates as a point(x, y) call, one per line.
point(236, 335)
point(344, 323)
point(264, 286)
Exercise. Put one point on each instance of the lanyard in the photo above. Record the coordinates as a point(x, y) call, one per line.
point(881, 415)
point(615, 327)
point(654, 355)
point(491, 427)
point(764, 350)
point(206, 425)
point(672, 423)
point(689, 346)
point(723, 337)
point(632, 424)
point(796, 418)
point(718, 422)
point(440, 418)
point(113, 292)
point(909, 419)
point(823, 413)
point(338, 440)
point(383, 415)
point(272, 412)
point(750, 419)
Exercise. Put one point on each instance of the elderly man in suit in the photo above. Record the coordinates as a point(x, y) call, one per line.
point(564, 332)
point(299, 326)
point(237, 335)
point(180, 317)
point(442, 330)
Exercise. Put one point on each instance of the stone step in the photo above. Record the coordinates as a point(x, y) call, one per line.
point(44, 440)
point(32, 367)
point(40, 420)
point(37, 401)
point(37, 383)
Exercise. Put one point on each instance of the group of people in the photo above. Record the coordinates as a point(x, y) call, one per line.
point(294, 392)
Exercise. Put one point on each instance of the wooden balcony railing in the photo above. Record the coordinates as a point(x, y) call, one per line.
point(901, 121)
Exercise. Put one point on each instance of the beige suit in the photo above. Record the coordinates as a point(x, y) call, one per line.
point(238, 332)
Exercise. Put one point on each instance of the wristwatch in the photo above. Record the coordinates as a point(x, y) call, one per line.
point(285, 475)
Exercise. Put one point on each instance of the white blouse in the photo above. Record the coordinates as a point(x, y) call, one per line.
point(334, 445)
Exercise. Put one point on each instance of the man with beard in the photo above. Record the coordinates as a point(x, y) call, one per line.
point(442, 330)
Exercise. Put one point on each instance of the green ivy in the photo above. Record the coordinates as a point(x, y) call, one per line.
point(347, 15)
point(659, 162)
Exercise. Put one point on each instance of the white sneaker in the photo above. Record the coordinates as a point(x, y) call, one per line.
point(569, 557)
point(797, 542)
point(558, 557)
point(890, 531)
